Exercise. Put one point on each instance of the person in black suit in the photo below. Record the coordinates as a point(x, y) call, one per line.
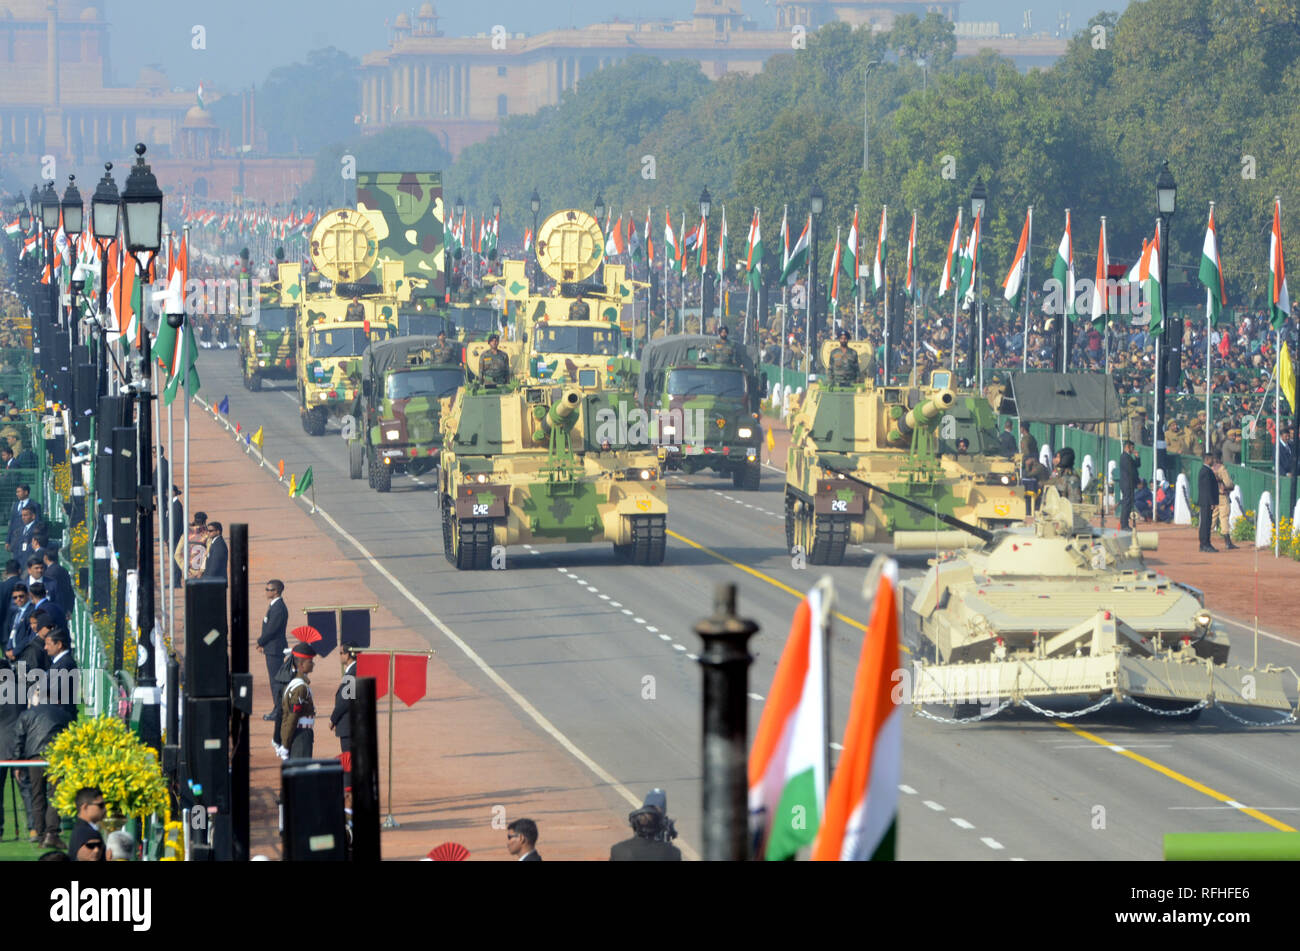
point(1128, 479)
point(341, 718)
point(86, 844)
point(57, 710)
point(652, 829)
point(1207, 497)
point(41, 601)
point(19, 630)
point(11, 581)
point(62, 680)
point(521, 840)
point(273, 641)
point(215, 566)
point(22, 499)
point(177, 525)
point(56, 574)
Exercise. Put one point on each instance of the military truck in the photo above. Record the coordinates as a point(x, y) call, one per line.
point(338, 320)
point(702, 414)
point(403, 383)
point(524, 463)
point(267, 339)
point(858, 453)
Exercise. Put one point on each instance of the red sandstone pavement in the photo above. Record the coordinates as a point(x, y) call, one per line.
point(464, 755)
point(1238, 585)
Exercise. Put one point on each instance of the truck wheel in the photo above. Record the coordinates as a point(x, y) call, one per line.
point(383, 475)
point(314, 421)
point(254, 383)
point(356, 456)
point(747, 478)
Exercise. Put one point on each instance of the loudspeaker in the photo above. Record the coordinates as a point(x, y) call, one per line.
point(207, 664)
point(206, 739)
point(84, 404)
point(125, 465)
point(311, 796)
point(125, 542)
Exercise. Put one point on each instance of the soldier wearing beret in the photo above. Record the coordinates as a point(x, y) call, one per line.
point(842, 366)
point(297, 708)
point(722, 352)
point(493, 367)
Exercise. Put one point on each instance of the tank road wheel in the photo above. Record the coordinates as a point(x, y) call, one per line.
point(747, 478)
point(789, 523)
point(447, 530)
point(830, 536)
point(356, 456)
point(648, 539)
point(314, 421)
point(381, 476)
point(254, 383)
point(472, 541)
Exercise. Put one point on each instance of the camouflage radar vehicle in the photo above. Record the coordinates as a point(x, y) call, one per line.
point(860, 453)
point(403, 383)
point(529, 463)
point(703, 405)
point(1060, 608)
point(267, 338)
point(341, 316)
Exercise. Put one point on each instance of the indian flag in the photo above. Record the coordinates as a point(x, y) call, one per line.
point(1279, 302)
point(787, 764)
point(754, 257)
point(528, 240)
point(670, 239)
point(649, 242)
point(785, 239)
point(799, 253)
point(1015, 282)
point(861, 817)
point(835, 276)
point(949, 278)
point(1099, 295)
point(1150, 276)
point(722, 247)
point(13, 227)
point(851, 250)
point(1063, 267)
point(1211, 273)
point(882, 248)
point(614, 243)
point(703, 232)
point(970, 263)
point(911, 259)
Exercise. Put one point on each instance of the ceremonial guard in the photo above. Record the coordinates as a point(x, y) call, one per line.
point(297, 708)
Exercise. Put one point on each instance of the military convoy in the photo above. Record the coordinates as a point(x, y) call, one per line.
point(1062, 609)
point(398, 411)
point(703, 413)
point(267, 340)
point(859, 453)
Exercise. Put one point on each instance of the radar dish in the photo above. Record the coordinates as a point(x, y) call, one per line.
point(570, 246)
point(344, 246)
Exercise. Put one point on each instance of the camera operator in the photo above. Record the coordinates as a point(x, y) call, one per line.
point(653, 833)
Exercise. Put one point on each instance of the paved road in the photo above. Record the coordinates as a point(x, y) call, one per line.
point(606, 653)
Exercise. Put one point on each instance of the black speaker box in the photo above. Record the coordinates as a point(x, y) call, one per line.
point(207, 662)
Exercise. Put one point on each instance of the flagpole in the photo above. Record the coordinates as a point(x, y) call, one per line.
point(1277, 444)
point(681, 278)
point(1029, 253)
point(956, 290)
point(1208, 348)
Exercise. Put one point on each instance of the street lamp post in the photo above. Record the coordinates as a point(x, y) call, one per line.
point(142, 203)
point(1166, 202)
point(978, 202)
point(104, 208)
point(705, 204)
point(73, 219)
point(49, 224)
point(816, 204)
point(458, 214)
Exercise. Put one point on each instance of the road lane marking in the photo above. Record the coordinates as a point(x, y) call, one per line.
point(962, 824)
point(992, 843)
point(1176, 777)
point(906, 789)
point(931, 804)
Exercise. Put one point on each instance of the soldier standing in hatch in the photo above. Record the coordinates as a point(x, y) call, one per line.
point(493, 367)
point(579, 310)
point(722, 352)
point(444, 352)
point(1065, 479)
point(842, 366)
point(356, 311)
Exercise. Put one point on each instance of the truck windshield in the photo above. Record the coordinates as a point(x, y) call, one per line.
point(586, 340)
point(432, 383)
point(706, 383)
point(475, 320)
point(343, 342)
point(274, 318)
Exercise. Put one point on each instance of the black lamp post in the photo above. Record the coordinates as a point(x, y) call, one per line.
point(496, 220)
point(978, 202)
point(1168, 368)
point(105, 205)
point(706, 203)
point(535, 203)
point(600, 208)
point(458, 214)
point(816, 205)
point(73, 219)
point(142, 203)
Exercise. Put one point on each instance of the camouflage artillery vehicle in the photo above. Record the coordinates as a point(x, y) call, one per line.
point(703, 415)
point(527, 463)
point(267, 338)
point(398, 411)
point(859, 453)
point(1062, 609)
point(335, 324)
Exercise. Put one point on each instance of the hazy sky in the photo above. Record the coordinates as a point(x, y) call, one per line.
point(248, 38)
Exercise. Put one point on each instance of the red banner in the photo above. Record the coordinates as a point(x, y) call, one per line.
point(374, 665)
point(409, 677)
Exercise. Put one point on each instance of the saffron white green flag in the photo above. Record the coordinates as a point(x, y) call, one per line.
point(1015, 282)
point(787, 763)
point(799, 253)
point(1211, 273)
point(1279, 301)
point(950, 260)
point(1063, 267)
point(1099, 292)
point(722, 247)
point(850, 261)
point(1150, 275)
point(882, 249)
point(754, 257)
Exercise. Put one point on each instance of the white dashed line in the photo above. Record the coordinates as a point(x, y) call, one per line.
point(962, 824)
point(993, 844)
point(664, 637)
point(592, 588)
point(755, 696)
point(639, 620)
point(652, 629)
point(931, 804)
point(1016, 859)
point(679, 647)
point(616, 604)
point(626, 611)
point(1234, 804)
point(603, 597)
point(692, 656)
point(907, 790)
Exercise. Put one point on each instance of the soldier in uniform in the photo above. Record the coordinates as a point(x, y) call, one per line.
point(1065, 479)
point(493, 367)
point(722, 352)
point(1223, 511)
point(1028, 446)
point(842, 366)
point(579, 310)
point(297, 709)
point(356, 310)
point(444, 352)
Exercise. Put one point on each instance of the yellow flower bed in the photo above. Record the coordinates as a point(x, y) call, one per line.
point(105, 754)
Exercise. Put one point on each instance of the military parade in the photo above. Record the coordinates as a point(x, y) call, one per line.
point(562, 513)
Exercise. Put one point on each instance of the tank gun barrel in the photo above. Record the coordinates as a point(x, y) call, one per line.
point(934, 541)
point(562, 414)
point(983, 534)
point(925, 414)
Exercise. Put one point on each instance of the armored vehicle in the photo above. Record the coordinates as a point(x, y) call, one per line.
point(529, 463)
point(403, 383)
point(859, 452)
point(337, 321)
point(1061, 608)
point(703, 414)
point(267, 339)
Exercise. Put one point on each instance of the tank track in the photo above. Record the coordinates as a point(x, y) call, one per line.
point(474, 552)
point(649, 540)
point(830, 538)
